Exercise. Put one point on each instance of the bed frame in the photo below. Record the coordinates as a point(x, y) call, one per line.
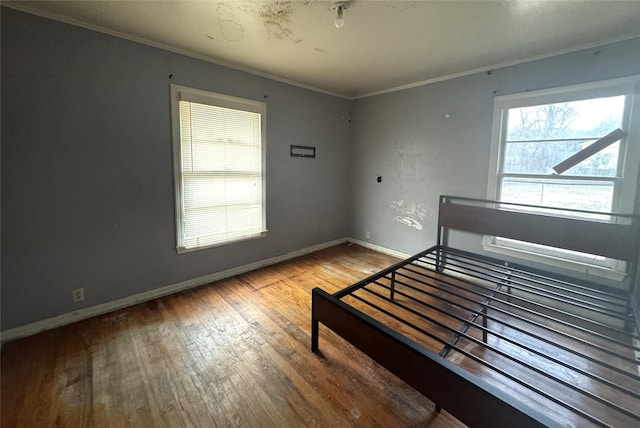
point(496, 343)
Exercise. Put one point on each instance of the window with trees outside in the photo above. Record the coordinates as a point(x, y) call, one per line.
point(218, 151)
point(536, 132)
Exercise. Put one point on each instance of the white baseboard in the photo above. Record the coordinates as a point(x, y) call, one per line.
point(380, 249)
point(71, 317)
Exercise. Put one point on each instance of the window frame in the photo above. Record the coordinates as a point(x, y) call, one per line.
point(625, 182)
point(184, 93)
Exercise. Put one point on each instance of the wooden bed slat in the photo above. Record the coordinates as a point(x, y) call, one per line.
point(617, 241)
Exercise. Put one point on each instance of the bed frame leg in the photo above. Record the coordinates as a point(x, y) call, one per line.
point(630, 323)
point(439, 260)
point(314, 334)
point(484, 324)
point(393, 285)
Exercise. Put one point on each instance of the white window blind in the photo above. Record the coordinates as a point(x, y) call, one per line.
point(220, 174)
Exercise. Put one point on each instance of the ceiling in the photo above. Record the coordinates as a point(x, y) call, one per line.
point(384, 45)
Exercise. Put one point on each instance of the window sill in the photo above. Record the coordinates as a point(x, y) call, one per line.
point(182, 249)
point(571, 265)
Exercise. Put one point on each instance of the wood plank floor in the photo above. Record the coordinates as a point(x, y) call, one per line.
point(231, 354)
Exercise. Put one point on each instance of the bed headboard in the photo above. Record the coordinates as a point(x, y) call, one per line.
point(618, 240)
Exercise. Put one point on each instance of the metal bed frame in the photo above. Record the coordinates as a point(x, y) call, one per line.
point(497, 343)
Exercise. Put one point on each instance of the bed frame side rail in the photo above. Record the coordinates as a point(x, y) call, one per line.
point(470, 399)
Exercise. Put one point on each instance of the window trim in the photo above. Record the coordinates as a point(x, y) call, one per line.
point(624, 193)
point(184, 93)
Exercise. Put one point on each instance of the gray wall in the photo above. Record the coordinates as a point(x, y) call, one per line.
point(407, 138)
point(87, 180)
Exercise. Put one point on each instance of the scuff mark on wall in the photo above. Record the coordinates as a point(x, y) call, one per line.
point(409, 161)
point(409, 213)
point(408, 174)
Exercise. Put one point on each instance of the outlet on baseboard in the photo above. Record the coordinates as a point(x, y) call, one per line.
point(77, 295)
point(367, 234)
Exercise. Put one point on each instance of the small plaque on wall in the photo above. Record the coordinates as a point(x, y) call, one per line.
point(302, 151)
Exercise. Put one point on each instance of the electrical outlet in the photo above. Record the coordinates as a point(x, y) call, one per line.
point(367, 234)
point(77, 295)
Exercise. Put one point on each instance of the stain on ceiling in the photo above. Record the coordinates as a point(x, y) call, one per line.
point(384, 45)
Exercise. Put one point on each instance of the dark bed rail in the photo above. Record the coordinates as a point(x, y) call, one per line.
point(439, 379)
point(612, 235)
point(608, 239)
point(514, 306)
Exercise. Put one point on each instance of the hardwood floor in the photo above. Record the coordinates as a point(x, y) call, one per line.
point(233, 353)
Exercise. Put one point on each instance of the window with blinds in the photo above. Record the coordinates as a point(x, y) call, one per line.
point(537, 131)
point(219, 168)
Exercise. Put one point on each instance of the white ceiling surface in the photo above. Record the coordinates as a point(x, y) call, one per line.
point(383, 45)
